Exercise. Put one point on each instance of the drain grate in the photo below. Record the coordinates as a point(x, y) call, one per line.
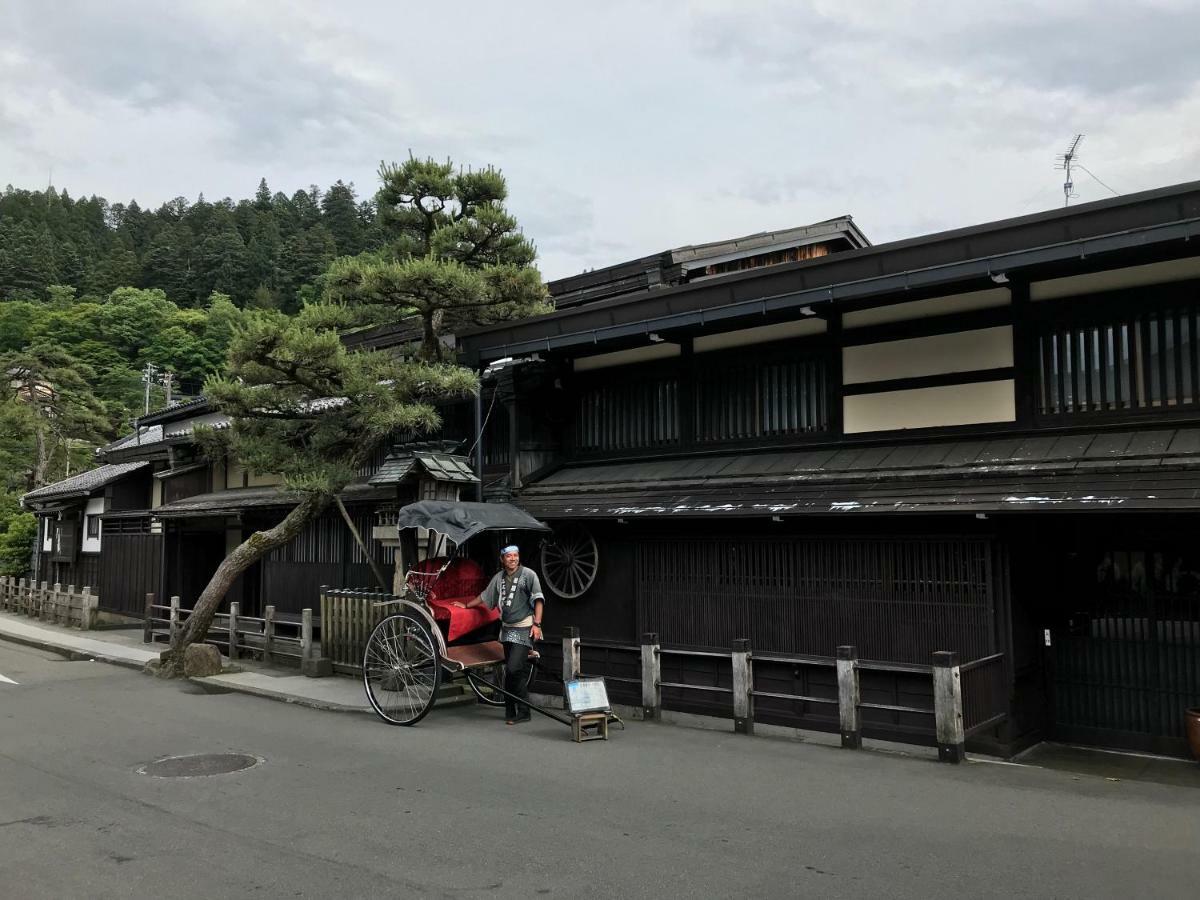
point(199, 765)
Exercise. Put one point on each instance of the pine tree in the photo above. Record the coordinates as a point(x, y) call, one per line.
point(339, 215)
point(455, 256)
point(304, 407)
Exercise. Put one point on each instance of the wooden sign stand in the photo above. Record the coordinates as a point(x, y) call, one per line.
point(589, 727)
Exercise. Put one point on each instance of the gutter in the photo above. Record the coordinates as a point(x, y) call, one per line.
point(945, 274)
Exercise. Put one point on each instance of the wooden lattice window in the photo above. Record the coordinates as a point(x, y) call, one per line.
point(1144, 360)
point(761, 399)
point(628, 415)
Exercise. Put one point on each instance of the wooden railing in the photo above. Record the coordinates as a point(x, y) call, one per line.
point(269, 638)
point(967, 698)
point(49, 603)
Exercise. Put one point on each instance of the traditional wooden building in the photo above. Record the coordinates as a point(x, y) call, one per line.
point(985, 440)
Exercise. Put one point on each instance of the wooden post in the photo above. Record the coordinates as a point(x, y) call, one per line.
point(87, 609)
point(306, 635)
point(64, 610)
point(173, 624)
point(50, 604)
point(235, 610)
point(743, 688)
point(268, 632)
point(651, 678)
point(570, 654)
point(849, 697)
point(148, 623)
point(35, 608)
point(947, 707)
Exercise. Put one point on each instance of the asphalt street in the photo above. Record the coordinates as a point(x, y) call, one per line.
point(463, 806)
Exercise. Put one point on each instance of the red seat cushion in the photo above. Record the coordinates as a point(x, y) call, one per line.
point(462, 582)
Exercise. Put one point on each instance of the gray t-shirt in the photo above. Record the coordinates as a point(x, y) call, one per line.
point(514, 595)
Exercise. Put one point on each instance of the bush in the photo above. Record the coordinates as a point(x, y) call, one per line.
point(16, 544)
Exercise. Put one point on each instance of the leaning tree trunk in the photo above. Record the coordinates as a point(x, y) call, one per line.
point(41, 457)
point(245, 555)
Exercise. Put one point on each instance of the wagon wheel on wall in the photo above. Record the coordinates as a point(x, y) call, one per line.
point(570, 560)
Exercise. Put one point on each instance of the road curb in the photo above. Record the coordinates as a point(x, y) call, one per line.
point(223, 687)
point(72, 653)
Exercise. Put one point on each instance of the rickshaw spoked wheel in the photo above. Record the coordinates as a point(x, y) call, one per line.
point(402, 669)
point(495, 674)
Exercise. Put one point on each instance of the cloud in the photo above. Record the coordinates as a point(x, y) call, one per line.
point(624, 128)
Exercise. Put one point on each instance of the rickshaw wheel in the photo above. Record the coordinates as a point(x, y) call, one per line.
point(490, 697)
point(402, 670)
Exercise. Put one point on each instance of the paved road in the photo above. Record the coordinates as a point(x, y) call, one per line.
point(462, 806)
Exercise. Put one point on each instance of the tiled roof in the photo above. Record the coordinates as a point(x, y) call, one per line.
point(440, 466)
point(84, 483)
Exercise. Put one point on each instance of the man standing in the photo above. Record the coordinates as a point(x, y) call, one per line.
point(518, 593)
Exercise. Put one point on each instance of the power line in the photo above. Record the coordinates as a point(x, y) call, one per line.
point(1081, 166)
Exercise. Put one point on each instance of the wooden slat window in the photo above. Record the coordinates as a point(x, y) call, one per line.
point(1146, 360)
point(628, 415)
point(895, 599)
point(761, 399)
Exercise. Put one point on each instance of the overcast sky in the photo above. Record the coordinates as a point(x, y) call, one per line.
point(623, 128)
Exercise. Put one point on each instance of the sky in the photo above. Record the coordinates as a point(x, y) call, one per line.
point(624, 128)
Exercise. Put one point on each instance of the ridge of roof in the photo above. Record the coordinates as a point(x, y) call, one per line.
point(84, 483)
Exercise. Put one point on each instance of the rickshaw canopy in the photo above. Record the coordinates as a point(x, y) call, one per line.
point(460, 521)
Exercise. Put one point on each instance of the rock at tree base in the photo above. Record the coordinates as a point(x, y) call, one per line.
point(201, 660)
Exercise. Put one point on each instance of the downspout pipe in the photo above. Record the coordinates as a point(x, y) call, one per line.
point(479, 442)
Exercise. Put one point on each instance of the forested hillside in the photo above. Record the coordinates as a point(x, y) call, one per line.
point(260, 251)
point(93, 292)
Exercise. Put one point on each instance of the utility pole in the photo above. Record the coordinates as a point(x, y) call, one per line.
point(148, 374)
point(1065, 161)
point(168, 381)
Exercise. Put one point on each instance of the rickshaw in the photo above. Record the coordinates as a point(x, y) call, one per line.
point(425, 639)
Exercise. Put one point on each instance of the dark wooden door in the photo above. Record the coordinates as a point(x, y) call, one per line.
point(1124, 654)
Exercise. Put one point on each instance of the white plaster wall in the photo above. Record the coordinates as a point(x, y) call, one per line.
point(958, 404)
point(924, 309)
point(1115, 279)
point(626, 357)
point(47, 534)
point(939, 354)
point(760, 334)
point(94, 507)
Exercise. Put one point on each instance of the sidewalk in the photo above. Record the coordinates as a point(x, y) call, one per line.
point(125, 648)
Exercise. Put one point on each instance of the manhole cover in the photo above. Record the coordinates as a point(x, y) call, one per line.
point(199, 765)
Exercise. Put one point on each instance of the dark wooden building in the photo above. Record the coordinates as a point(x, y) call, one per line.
point(985, 440)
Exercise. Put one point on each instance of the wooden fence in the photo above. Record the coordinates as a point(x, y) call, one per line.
point(347, 619)
point(269, 638)
point(49, 603)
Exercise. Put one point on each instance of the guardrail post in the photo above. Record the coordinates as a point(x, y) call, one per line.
point(570, 655)
point(849, 697)
point(743, 688)
point(148, 624)
point(173, 627)
point(651, 678)
point(50, 604)
point(36, 612)
point(311, 664)
point(87, 609)
point(235, 610)
point(268, 632)
point(947, 707)
point(62, 610)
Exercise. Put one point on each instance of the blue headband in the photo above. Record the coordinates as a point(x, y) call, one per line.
point(511, 548)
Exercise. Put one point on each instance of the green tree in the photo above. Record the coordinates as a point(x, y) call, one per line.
point(56, 389)
point(303, 406)
point(16, 544)
point(455, 256)
point(131, 317)
point(19, 320)
point(339, 215)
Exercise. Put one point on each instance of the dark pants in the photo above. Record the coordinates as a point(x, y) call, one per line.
point(516, 666)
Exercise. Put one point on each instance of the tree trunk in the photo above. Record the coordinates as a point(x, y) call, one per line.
point(41, 460)
point(431, 347)
point(375, 569)
point(245, 555)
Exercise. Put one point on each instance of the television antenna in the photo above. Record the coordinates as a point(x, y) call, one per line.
point(1065, 161)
